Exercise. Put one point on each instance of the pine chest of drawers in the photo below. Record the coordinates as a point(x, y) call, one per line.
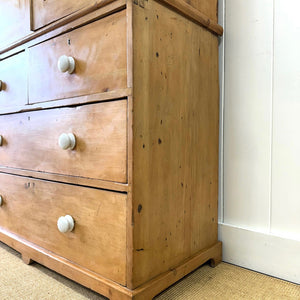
point(109, 139)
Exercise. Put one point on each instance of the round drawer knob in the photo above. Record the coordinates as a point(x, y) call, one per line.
point(66, 64)
point(67, 141)
point(1, 140)
point(65, 224)
point(1, 200)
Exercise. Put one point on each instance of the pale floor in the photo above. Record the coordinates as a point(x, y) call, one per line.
point(35, 282)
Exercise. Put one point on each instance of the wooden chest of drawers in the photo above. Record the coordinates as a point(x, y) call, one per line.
point(109, 139)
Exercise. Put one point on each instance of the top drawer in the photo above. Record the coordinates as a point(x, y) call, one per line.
point(14, 20)
point(99, 51)
point(48, 11)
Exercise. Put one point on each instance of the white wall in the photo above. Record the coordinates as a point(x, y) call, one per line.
point(259, 205)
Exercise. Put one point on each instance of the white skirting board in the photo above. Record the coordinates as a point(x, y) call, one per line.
point(261, 252)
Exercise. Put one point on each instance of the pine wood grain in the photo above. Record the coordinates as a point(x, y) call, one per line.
point(175, 140)
point(99, 50)
point(32, 207)
point(159, 145)
point(31, 141)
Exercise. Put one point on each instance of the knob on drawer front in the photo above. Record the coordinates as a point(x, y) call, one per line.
point(1, 140)
point(65, 224)
point(66, 64)
point(67, 141)
point(1, 200)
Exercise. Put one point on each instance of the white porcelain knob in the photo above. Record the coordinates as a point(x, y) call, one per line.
point(1, 140)
point(65, 224)
point(1, 200)
point(67, 141)
point(66, 64)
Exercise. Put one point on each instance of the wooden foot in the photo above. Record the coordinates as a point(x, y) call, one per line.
point(26, 259)
point(215, 260)
point(163, 281)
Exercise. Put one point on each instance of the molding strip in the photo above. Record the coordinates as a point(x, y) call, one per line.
point(262, 252)
point(194, 14)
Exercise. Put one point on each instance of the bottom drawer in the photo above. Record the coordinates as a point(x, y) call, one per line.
point(30, 208)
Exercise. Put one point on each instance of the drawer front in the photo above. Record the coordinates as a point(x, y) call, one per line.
point(14, 21)
point(99, 51)
point(30, 208)
point(30, 141)
point(13, 72)
point(46, 12)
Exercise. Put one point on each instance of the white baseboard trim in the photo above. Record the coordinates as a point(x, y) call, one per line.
point(261, 252)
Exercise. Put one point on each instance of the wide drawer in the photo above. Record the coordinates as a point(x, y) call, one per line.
point(45, 12)
point(31, 208)
point(99, 51)
point(30, 141)
point(13, 72)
